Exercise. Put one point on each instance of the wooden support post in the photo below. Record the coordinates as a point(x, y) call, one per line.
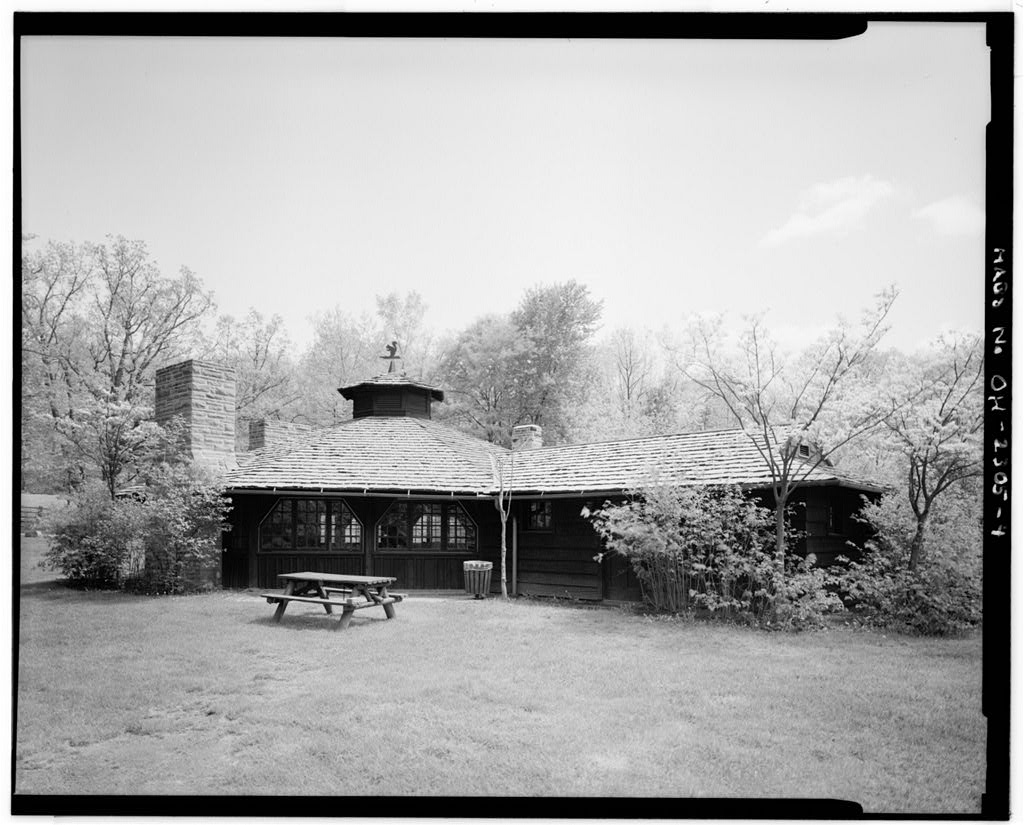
point(346, 616)
point(323, 595)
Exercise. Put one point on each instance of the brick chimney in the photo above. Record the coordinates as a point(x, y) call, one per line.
point(265, 432)
point(527, 437)
point(203, 394)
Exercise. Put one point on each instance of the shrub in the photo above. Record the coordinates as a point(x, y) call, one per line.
point(185, 514)
point(711, 550)
point(96, 542)
point(165, 541)
point(943, 594)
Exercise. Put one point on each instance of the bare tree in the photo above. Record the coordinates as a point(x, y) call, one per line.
point(797, 413)
point(503, 504)
point(633, 367)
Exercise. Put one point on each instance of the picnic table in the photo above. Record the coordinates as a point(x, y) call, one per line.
point(355, 593)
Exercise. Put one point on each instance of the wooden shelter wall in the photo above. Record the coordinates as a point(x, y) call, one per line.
point(560, 561)
point(245, 565)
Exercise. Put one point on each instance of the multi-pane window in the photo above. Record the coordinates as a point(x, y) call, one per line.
point(311, 524)
point(426, 526)
point(393, 529)
point(538, 515)
point(461, 529)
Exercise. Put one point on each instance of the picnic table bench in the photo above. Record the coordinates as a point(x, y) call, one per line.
point(357, 593)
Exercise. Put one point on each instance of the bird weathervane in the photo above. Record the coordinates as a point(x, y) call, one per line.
point(392, 355)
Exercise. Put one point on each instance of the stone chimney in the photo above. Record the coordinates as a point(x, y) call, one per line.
point(270, 432)
point(527, 437)
point(203, 395)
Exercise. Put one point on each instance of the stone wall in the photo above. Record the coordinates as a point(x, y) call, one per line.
point(527, 437)
point(203, 394)
point(270, 433)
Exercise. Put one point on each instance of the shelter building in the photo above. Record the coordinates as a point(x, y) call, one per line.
point(392, 492)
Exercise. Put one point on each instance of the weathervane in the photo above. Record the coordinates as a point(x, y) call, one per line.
point(392, 355)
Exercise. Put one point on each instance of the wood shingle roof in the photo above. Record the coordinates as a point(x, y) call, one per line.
point(409, 455)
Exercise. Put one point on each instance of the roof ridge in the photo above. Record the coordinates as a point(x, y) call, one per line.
point(637, 439)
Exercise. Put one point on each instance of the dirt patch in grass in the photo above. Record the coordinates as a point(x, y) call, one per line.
point(206, 695)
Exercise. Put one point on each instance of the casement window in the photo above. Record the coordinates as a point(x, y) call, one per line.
point(834, 519)
point(311, 524)
point(426, 526)
point(538, 515)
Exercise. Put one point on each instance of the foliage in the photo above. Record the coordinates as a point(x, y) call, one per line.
point(185, 515)
point(116, 436)
point(347, 348)
point(257, 348)
point(159, 541)
point(710, 549)
point(96, 542)
point(96, 319)
point(486, 388)
point(532, 366)
point(943, 593)
point(816, 400)
point(939, 435)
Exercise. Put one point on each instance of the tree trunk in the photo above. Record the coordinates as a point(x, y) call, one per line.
point(504, 588)
point(917, 545)
point(780, 537)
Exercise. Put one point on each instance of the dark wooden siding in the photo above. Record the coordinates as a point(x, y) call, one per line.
point(245, 565)
point(827, 541)
point(271, 564)
point(560, 561)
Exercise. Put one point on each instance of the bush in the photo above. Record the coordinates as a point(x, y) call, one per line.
point(185, 513)
point(96, 542)
point(943, 594)
point(712, 551)
point(165, 541)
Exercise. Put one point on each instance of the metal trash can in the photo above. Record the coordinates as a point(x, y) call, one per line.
point(478, 577)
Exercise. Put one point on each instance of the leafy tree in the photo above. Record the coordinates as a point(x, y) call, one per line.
point(401, 319)
point(554, 370)
point(939, 434)
point(533, 366)
point(114, 435)
point(942, 593)
point(344, 350)
point(265, 375)
point(817, 401)
point(96, 320)
point(481, 372)
point(347, 348)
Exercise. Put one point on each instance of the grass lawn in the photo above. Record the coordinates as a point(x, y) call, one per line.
point(205, 695)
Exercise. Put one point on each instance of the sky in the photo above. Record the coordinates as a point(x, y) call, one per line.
point(795, 178)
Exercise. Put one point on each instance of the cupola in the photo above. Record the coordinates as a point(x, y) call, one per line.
point(391, 394)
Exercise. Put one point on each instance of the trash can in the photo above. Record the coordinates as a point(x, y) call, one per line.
point(478, 577)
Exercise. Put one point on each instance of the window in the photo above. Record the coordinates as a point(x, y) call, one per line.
point(426, 526)
point(834, 518)
point(804, 451)
point(311, 524)
point(538, 515)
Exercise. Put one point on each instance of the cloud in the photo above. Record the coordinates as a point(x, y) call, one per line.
point(831, 208)
point(955, 215)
